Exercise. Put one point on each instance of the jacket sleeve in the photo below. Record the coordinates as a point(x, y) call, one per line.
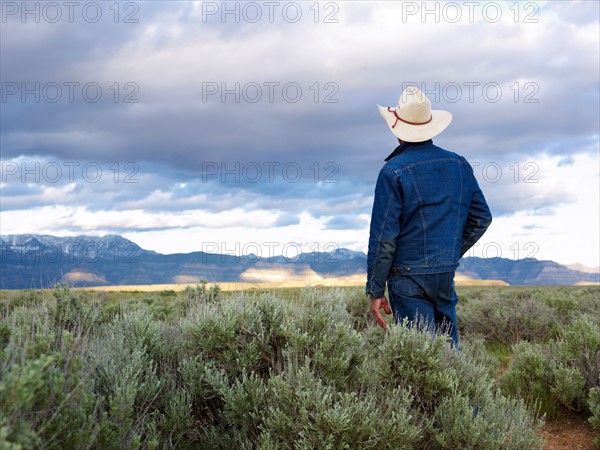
point(478, 220)
point(385, 229)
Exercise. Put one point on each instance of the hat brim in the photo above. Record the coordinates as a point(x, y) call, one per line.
point(440, 120)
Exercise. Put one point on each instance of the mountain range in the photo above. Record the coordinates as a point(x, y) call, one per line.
point(31, 260)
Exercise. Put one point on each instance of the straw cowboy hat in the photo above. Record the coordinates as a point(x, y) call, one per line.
point(413, 120)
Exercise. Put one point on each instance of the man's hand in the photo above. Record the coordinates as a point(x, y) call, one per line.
point(376, 305)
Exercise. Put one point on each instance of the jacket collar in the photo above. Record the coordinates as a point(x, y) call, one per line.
point(406, 145)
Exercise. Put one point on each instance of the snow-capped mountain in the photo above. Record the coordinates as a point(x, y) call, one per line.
point(31, 260)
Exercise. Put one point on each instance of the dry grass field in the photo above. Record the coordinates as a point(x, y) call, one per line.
point(289, 282)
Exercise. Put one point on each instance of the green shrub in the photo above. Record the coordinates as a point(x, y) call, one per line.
point(359, 310)
point(296, 410)
point(490, 355)
point(502, 424)
point(558, 375)
point(426, 364)
point(241, 335)
point(572, 302)
point(264, 334)
point(71, 313)
point(204, 382)
point(531, 377)
point(441, 380)
point(594, 406)
point(124, 358)
point(47, 401)
point(322, 334)
point(168, 293)
point(507, 317)
point(578, 348)
point(293, 369)
point(5, 332)
point(27, 298)
point(200, 294)
point(177, 420)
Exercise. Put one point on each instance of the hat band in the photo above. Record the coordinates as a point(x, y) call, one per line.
point(406, 121)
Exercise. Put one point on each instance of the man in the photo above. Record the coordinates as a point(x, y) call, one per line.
point(428, 212)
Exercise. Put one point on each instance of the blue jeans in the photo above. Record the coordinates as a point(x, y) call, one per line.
point(426, 299)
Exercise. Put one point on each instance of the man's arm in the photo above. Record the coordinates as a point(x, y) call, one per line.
point(385, 228)
point(478, 221)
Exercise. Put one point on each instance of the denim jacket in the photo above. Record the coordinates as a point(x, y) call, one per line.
point(428, 212)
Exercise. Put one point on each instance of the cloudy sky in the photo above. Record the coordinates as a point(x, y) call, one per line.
point(244, 127)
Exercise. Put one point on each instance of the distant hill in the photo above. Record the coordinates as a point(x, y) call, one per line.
point(524, 271)
point(582, 268)
point(30, 260)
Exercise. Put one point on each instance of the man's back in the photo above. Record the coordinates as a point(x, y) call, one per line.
point(436, 190)
point(428, 211)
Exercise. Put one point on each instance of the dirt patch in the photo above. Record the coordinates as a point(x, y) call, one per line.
point(568, 433)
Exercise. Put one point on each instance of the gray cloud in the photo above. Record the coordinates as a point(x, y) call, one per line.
point(566, 161)
point(287, 219)
point(173, 137)
point(345, 222)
